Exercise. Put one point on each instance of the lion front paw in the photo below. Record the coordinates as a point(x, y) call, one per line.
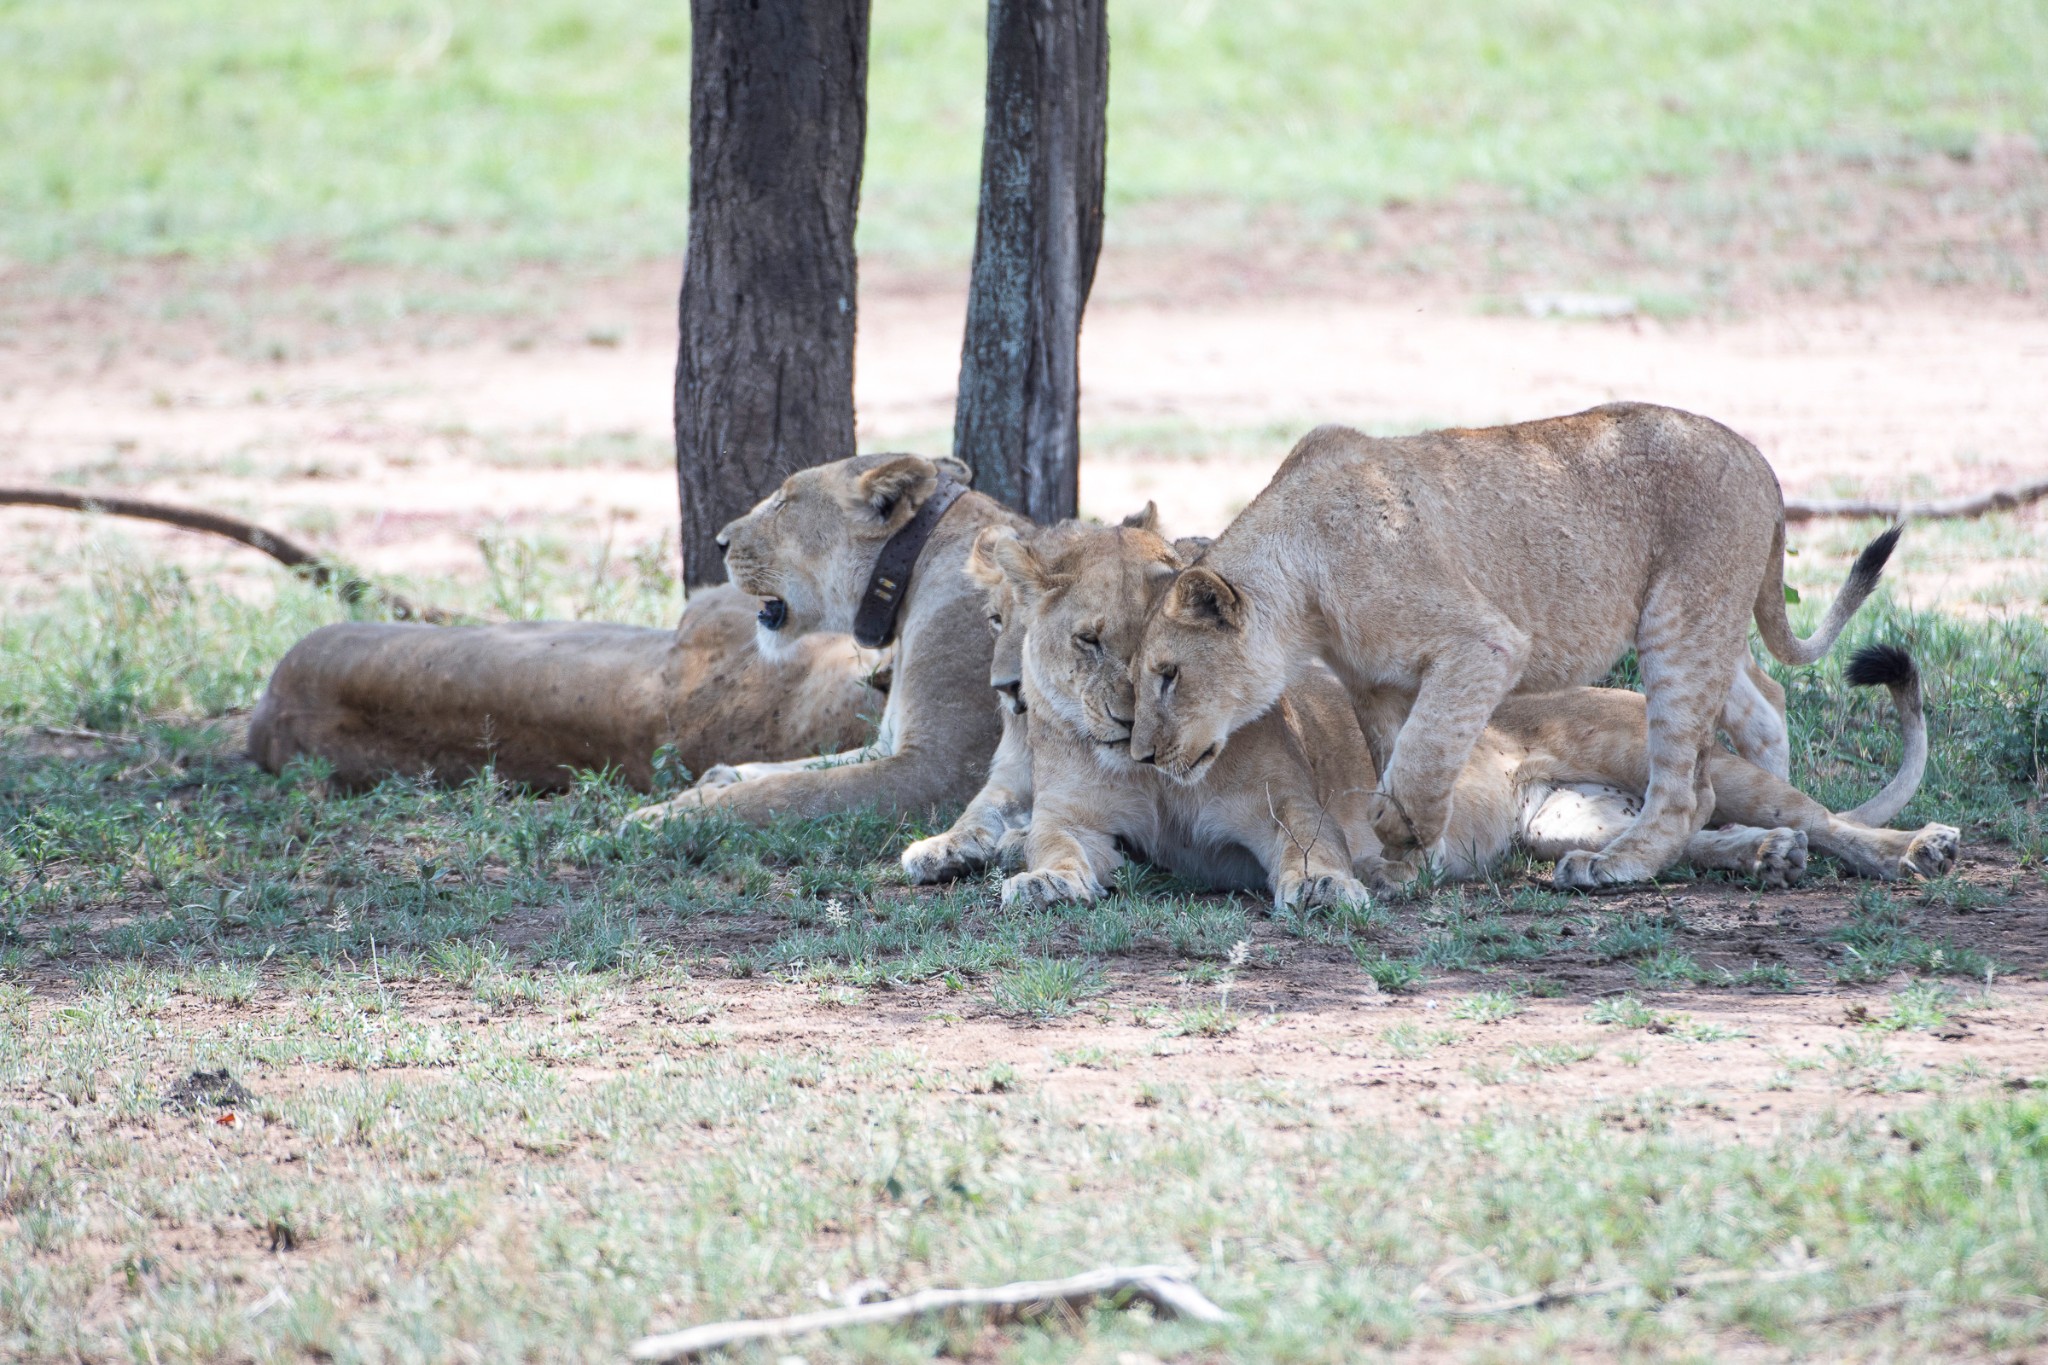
point(1037, 890)
point(1586, 870)
point(650, 817)
point(716, 776)
point(945, 857)
point(1013, 848)
point(1780, 858)
point(1331, 890)
point(1403, 825)
point(1932, 853)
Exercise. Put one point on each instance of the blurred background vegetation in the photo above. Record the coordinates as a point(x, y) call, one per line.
point(467, 133)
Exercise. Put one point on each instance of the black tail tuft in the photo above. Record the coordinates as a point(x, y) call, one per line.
point(1870, 564)
point(1880, 666)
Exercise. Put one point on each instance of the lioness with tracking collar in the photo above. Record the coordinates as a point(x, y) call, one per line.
point(1456, 567)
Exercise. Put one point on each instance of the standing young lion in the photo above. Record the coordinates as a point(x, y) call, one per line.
point(816, 554)
point(1456, 567)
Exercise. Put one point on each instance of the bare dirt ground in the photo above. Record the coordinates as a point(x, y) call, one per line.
point(1874, 331)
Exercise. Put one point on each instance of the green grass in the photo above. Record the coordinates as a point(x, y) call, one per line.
point(493, 1103)
point(662, 1180)
point(466, 133)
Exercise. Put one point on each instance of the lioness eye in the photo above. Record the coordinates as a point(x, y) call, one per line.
point(1167, 673)
point(995, 623)
point(1088, 639)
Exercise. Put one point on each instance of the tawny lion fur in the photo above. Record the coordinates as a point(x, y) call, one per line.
point(545, 700)
point(1555, 773)
point(1456, 567)
point(806, 552)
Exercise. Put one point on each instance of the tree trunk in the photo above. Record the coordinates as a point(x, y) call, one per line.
point(1035, 244)
point(764, 372)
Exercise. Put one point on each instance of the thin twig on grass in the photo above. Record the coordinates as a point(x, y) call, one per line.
point(1166, 1288)
point(1681, 1284)
point(307, 563)
point(1970, 505)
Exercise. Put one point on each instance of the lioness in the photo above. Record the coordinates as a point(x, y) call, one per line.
point(1456, 567)
point(1555, 773)
point(819, 554)
point(544, 700)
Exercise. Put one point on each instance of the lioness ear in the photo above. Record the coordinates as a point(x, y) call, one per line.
point(961, 471)
point(982, 569)
point(1200, 597)
point(1145, 520)
point(1014, 558)
point(1190, 548)
point(897, 478)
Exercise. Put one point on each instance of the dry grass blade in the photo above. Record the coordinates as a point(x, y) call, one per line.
point(1166, 1288)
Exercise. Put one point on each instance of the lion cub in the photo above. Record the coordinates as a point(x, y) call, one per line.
point(1285, 812)
point(1458, 567)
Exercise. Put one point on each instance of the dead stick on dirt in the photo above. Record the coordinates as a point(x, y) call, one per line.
point(308, 564)
point(1557, 1294)
point(1166, 1288)
point(1974, 505)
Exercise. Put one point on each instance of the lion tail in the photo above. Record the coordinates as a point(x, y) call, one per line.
point(1892, 667)
point(1776, 628)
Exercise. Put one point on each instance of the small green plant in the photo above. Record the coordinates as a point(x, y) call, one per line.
point(1045, 988)
point(1623, 1011)
point(1551, 1056)
point(1391, 974)
point(1631, 937)
point(1412, 1040)
point(1668, 967)
point(1768, 976)
point(1488, 1007)
point(1924, 1005)
point(1207, 1021)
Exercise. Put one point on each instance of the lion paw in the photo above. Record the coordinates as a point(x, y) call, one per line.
point(945, 858)
point(1780, 858)
point(1012, 847)
point(1332, 890)
point(651, 817)
point(1401, 827)
point(1932, 852)
point(1037, 890)
point(716, 776)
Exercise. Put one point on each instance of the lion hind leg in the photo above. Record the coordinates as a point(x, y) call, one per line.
point(1753, 717)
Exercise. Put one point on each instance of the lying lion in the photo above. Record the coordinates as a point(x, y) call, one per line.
point(546, 700)
point(1555, 773)
point(1457, 567)
point(872, 545)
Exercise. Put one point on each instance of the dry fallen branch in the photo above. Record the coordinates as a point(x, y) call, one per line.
point(1682, 1284)
point(1166, 1288)
point(1973, 505)
point(301, 560)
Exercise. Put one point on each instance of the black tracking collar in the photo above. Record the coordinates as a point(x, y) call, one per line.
point(874, 625)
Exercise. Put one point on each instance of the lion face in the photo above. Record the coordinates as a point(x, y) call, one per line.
point(806, 550)
point(1198, 675)
point(1005, 622)
point(1082, 594)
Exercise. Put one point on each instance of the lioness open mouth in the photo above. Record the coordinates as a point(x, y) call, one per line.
point(774, 612)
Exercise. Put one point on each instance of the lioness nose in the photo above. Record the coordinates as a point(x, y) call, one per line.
point(1147, 757)
point(724, 544)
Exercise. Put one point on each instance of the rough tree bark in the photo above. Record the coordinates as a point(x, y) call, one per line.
point(1039, 230)
point(764, 371)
